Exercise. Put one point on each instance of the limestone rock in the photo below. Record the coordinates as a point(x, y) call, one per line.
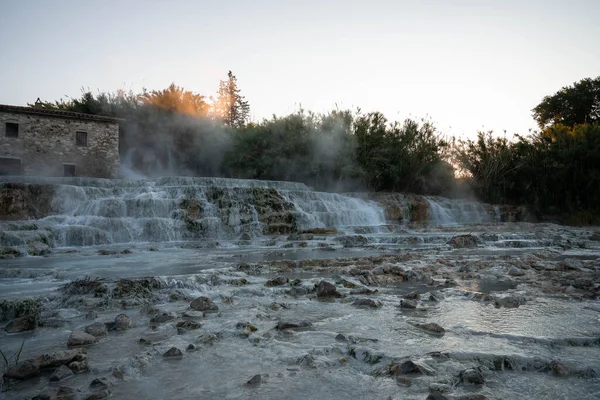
point(407, 367)
point(97, 329)
point(61, 373)
point(22, 324)
point(278, 281)
point(66, 393)
point(102, 383)
point(61, 357)
point(366, 303)
point(23, 370)
point(408, 304)
point(414, 295)
point(204, 304)
point(472, 376)
point(189, 325)
point(163, 317)
point(327, 289)
point(123, 322)
point(173, 352)
point(79, 366)
point(433, 328)
point(80, 338)
point(463, 241)
point(255, 380)
point(283, 325)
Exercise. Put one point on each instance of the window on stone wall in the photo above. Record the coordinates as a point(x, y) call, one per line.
point(81, 138)
point(12, 129)
point(68, 169)
point(10, 166)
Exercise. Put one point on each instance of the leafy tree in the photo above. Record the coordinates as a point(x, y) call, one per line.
point(230, 106)
point(176, 99)
point(576, 104)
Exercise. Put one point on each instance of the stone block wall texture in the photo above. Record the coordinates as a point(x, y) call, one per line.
point(46, 143)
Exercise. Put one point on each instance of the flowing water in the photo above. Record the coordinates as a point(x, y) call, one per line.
point(515, 328)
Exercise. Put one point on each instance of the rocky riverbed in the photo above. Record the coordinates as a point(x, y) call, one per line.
point(495, 311)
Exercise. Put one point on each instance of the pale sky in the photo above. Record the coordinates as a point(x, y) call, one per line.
point(467, 65)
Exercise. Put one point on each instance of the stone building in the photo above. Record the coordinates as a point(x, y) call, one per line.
point(40, 141)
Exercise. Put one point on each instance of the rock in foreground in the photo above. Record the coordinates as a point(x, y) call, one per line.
point(204, 304)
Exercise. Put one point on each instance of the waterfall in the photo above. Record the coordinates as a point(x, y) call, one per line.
point(92, 211)
point(452, 212)
point(327, 210)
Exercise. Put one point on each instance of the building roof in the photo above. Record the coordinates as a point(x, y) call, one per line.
point(57, 113)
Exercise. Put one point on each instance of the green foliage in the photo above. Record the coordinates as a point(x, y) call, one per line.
point(577, 104)
point(557, 170)
point(401, 157)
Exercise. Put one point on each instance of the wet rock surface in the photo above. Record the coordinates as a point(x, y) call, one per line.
point(80, 338)
point(499, 311)
point(204, 304)
point(22, 324)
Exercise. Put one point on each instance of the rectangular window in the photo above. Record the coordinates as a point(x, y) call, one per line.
point(81, 138)
point(68, 169)
point(10, 166)
point(12, 129)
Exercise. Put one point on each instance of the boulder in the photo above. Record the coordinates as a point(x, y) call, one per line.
point(173, 352)
point(188, 325)
point(278, 281)
point(414, 295)
point(97, 329)
point(407, 367)
point(22, 324)
point(102, 383)
point(283, 325)
point(79, 366)
point(433, 328)
point(407, 303)
point(255, 380)
point(23, 370)
point(327, 289)
point(471, 376)
point(204, 304)
point(61, 357)
point(80, 338)
point(66, 393)
point(463, 241)
point(123, 322)
point(163, 317)
point(61, 373)
point(366, 303)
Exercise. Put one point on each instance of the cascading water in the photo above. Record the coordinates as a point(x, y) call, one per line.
point(327, 210)
point(87, 211)
point(446, 212)
point(91, 211)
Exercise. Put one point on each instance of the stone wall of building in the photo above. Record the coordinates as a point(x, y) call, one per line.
point(45, 143)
